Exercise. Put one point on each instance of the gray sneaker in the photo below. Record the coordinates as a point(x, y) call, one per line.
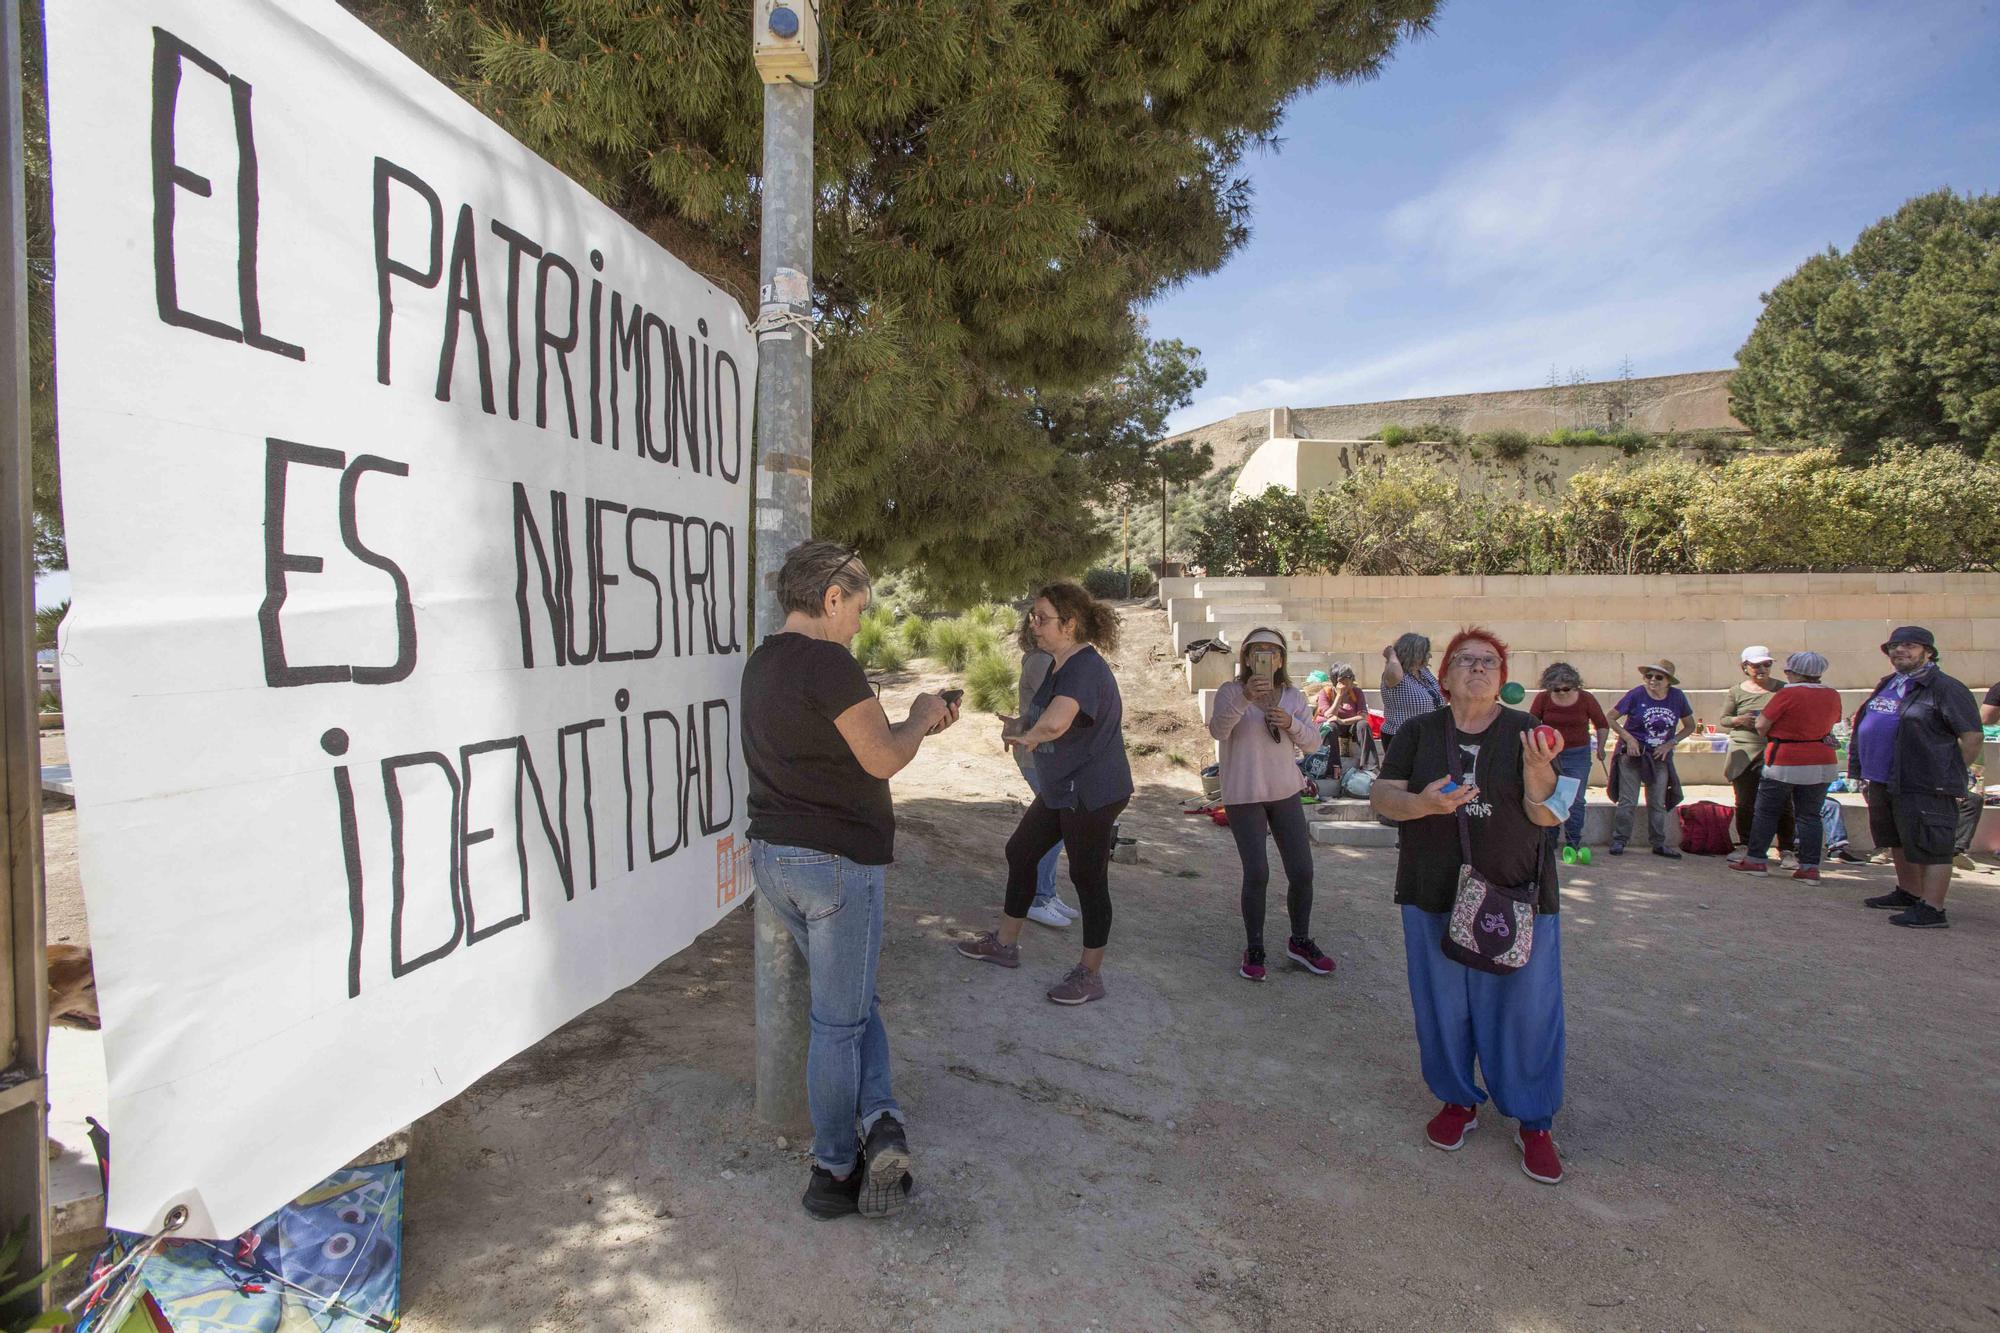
point(1081, 986)
point(987, 948)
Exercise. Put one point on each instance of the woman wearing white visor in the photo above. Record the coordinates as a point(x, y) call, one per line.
point(1264, 724)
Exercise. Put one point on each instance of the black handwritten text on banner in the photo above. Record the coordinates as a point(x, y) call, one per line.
point(407, 490)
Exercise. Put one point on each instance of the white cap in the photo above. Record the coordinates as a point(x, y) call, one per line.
point(1756, 652)
point(1269, 636)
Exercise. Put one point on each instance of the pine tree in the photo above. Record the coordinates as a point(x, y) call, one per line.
point(1001, 182)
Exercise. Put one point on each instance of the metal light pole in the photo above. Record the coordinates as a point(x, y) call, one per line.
point(24, 1020)
point(786, 45)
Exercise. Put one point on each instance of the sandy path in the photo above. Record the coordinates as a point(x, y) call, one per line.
point(1745, 1061)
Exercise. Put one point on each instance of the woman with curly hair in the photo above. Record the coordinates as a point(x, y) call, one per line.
point(1079, 748)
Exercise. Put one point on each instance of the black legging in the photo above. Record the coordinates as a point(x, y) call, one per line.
point(1285, 821)
point(1746, 808)
point(1086, 837)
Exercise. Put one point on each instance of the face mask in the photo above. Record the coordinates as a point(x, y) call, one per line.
point(1565, 792)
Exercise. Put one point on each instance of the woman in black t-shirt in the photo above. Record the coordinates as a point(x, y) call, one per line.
point(1511, 1025)
point(820, 752)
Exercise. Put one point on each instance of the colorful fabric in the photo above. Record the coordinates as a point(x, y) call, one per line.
point(331, 1261)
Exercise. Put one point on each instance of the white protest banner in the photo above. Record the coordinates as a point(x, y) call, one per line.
point(407, 491)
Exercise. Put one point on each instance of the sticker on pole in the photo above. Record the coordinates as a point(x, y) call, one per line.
point(406, 489)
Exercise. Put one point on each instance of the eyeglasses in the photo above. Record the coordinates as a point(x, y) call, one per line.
point(1471, 663)
point(1654, 675)
point(1562, 689)
point(1034, 619)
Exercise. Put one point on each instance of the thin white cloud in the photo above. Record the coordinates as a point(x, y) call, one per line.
point(1615, 215)
point(1658, 329)
point(1649, 160)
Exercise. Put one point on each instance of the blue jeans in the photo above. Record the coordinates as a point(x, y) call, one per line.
point(1045, 871)
point(833, 908)
point(1574, 762)
point(1511, 1025)
point(1804, 801)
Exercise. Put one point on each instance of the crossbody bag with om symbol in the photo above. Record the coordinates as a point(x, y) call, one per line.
point(1492, 926)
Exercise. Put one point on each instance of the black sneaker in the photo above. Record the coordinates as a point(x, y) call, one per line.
point(1671, 853)
point(827, 1198)
point(1923, 917)
point(885, 1169)
point(1893, 901)
point(1617, 849)
point(1842, 854)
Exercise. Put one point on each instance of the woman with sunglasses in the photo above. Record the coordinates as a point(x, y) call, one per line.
point(1263, 725)
point(1650, 721)
point(1565, 705)
point(1078, 743)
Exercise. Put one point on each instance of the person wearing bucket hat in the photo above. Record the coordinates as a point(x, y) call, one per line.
point(1263, 724)
point(1649, 720)
point(1744, 769)
point(1915, 740)
point(1797, 765)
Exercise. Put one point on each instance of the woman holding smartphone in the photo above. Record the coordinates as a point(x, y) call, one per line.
point(1263, 724)
point(1078, 743)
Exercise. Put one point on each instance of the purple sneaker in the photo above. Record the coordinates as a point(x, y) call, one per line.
point(1252, 967)
point(987, 948)
point(1081, 986)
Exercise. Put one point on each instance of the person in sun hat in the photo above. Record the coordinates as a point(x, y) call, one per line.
point(1745, 767)
point(1798, 763)
point(1649, 720)
point(1915, 740)
point(1262, 724)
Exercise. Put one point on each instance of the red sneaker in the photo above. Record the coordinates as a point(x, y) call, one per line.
point(1252, 968)
point(1808, 873)
point(1538, 1156)
point(1751, 867)
point(1308, 955)
point(1448, 1128)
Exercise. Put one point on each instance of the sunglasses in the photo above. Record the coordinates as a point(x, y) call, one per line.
point(1654, 675)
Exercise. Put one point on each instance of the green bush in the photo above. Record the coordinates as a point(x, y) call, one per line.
point(1107, 584)
point(992, 683)
point(915, 632)
point(1395, 435)
point(876, 646)
point(956, 642)
point(1000, 619)
point(1508, 444)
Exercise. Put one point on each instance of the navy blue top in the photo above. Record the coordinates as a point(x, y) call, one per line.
point(1084, 768)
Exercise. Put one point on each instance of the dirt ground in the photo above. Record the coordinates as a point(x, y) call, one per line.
point(1779, 1111)
point(1779, 1116)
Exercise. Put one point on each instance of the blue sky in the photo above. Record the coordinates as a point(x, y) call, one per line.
point(1572, 182)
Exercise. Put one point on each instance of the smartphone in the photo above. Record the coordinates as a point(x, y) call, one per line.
point(951, 697)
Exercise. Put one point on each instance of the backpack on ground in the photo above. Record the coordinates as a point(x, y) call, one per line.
point(1357, 782)
point(1705, 828)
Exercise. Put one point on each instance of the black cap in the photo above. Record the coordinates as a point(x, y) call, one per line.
point(1911, 634)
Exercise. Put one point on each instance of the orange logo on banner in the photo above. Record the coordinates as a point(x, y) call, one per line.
point(732, 870)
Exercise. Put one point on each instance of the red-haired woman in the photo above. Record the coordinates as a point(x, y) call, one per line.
point(1511, 1024)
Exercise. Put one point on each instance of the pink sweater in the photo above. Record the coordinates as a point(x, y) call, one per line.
point(1255, 768)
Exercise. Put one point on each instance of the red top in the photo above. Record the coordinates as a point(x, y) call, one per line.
point(1575, 720)
point(1799, 727)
